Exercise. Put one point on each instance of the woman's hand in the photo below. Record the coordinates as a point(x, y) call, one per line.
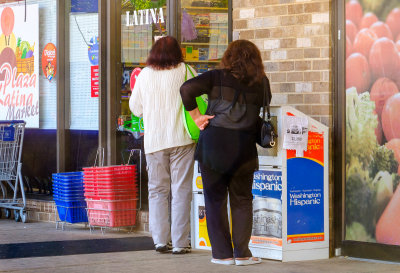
point(203, 121)
point(200, 120)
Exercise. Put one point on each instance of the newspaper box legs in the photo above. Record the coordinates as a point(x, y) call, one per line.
point(290, 194)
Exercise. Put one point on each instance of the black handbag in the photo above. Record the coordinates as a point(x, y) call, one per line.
point(267, 132)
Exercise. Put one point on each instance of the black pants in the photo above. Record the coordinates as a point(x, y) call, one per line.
point(216, 188)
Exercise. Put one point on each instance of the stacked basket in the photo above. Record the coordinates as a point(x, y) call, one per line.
point(111, 195)
point(69, 197)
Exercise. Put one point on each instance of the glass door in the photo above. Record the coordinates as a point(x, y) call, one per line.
point(142, 23)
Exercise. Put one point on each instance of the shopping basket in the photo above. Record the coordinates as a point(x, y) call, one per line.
point(69, 197)
point(111, 195)
point(11, 141)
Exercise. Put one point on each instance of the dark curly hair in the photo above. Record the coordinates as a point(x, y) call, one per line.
point(165, 54)
point(243, 59)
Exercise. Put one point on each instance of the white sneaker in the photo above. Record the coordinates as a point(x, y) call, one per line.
point(248, 261)
point(162, 248)
point(224, 262)
point(181, 250)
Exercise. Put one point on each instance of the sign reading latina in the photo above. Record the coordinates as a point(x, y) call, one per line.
point(19, 65)
point(144, 17)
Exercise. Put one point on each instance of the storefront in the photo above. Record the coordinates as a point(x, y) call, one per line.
point(343, 73)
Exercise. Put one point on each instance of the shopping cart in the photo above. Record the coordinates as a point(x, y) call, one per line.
point(11, 140)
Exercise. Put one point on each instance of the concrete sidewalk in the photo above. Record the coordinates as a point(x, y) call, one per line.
point(198, 261)
point(147, 261)
point(13, 233)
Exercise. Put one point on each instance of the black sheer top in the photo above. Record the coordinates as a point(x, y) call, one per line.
point(224, 150)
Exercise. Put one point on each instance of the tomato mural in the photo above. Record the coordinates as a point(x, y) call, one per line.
point(372, 121)
point(368, 19)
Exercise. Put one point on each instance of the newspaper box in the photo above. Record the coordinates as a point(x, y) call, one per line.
point(290, 193)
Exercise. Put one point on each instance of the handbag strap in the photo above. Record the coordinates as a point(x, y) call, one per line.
point(265, 85)
point(186, 70)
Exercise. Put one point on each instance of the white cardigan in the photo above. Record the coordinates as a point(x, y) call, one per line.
point(156, 97)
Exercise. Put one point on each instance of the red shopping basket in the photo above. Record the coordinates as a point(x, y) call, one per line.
point(111, 194)
point(129, 204)
point(111, 218)
point(121, 170)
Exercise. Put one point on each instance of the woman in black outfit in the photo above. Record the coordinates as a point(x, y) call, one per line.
point(226, 150)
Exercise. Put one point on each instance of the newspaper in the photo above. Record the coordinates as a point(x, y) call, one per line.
point(295, 134)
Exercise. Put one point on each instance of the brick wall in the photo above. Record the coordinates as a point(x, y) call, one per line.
point(42, 211)
point(294, 39)
point(45, 211)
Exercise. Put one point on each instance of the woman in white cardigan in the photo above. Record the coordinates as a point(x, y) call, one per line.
point(169, 149)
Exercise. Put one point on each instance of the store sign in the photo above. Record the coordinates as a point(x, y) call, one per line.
point(144, 17)
point(94, 82)
point(49, 61)
point(19, 64)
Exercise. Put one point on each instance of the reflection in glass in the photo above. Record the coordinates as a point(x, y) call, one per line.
point(203, 32)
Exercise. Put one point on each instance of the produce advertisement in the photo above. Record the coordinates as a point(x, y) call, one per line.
point(19, 64)
point(373, 121)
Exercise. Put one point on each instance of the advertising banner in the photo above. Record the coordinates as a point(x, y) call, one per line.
point(305, 192)
point(94, 82)
point(267, 209)
point(19, 64)
point(49, 61)
point(372, 121)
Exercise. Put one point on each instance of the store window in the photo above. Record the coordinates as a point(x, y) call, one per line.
point(82, 89)
point(28, 60)
point(372, 122)
point(34, 43)
point(83, 65)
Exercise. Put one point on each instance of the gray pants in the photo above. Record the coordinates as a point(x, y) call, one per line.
point(170, 171)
